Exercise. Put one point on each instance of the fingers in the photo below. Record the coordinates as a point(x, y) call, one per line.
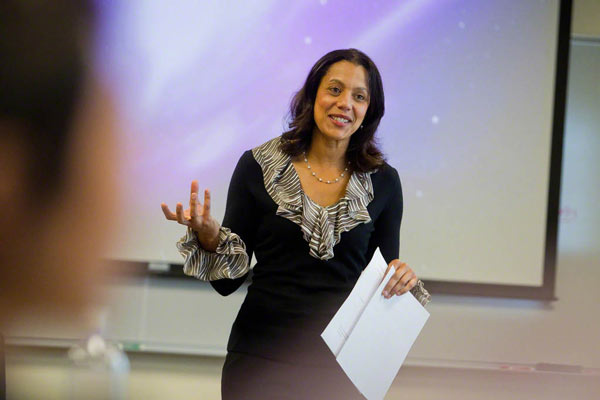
point(411, 284)
point(397, 265)
point(206, 209)
point(180, 216)
point(194, 199)
point(401, 281)
point(194, 188)
point(184, 217)
point(390, 265)
point(193, 205)
point(168, 214)
point(406, 286)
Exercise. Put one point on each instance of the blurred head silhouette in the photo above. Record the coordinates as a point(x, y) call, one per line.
point(57, 155)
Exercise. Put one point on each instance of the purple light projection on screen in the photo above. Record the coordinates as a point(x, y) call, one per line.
point(199, 82)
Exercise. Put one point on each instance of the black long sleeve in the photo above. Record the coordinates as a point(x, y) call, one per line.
point(386, 235)
point(240, 216)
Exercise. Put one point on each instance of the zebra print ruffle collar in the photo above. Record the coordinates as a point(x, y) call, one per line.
point(321, 226)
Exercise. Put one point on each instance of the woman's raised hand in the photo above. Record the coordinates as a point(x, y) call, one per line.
point(197, 217)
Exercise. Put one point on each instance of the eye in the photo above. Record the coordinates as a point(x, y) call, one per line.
point(360, 97)
point(335, 90)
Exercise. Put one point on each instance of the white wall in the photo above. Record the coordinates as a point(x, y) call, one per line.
point(586, 18)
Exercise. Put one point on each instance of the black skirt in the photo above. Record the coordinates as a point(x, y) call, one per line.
point(252, 377)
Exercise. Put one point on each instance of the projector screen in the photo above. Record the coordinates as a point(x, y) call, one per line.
point(469, 89)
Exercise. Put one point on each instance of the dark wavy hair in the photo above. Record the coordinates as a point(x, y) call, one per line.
point(363, 153)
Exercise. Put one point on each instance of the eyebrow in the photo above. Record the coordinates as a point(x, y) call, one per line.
point(342, 83)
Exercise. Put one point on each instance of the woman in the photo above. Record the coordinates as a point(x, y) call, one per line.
point(313, 205)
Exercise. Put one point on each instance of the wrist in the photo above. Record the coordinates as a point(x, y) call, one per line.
point(208, 243)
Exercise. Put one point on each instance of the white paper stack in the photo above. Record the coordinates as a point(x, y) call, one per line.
point(371, 335)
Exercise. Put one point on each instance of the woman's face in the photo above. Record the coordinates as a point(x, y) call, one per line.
point(342, 100)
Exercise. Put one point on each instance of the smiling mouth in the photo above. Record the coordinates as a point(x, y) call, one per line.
point(340, 120)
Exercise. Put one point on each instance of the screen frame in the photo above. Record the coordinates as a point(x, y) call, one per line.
point(547, 290)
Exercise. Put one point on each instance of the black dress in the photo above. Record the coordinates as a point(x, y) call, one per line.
point(308, 259)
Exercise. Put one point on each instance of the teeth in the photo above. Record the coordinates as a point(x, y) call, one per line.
point(340, 119)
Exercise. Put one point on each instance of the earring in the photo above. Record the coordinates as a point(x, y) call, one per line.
point(361, 127)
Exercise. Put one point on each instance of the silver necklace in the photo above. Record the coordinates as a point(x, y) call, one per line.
point(313, 173)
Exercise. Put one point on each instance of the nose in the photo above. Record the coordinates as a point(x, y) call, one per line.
point(345, 101)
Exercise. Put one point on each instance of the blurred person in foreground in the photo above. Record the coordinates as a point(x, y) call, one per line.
point(56, 161)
